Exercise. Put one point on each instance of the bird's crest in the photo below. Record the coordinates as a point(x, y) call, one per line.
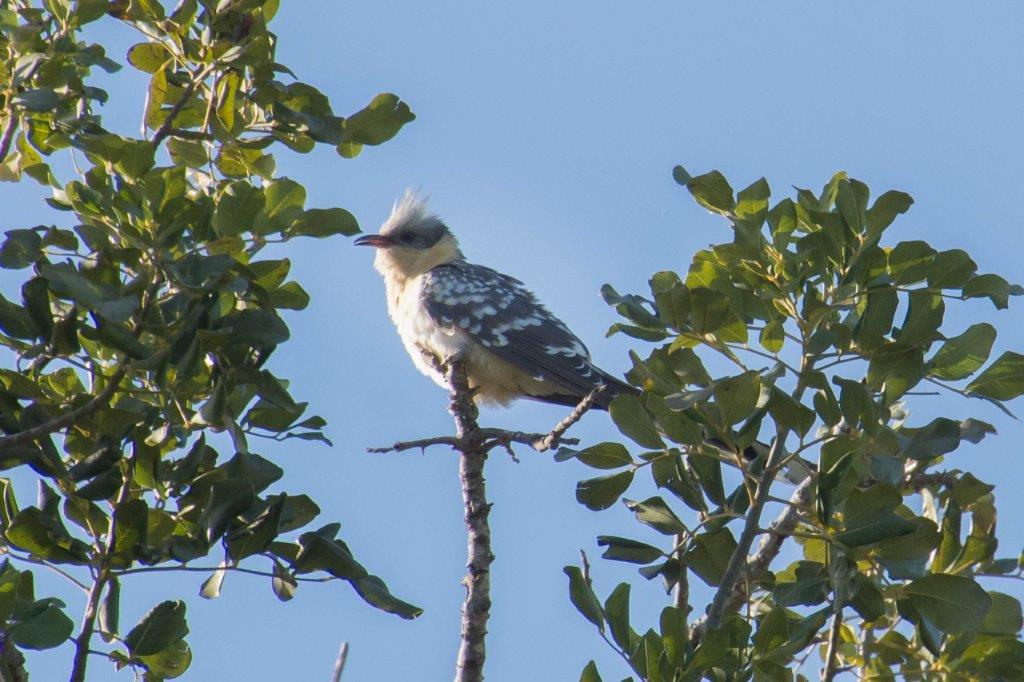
point(410, 211)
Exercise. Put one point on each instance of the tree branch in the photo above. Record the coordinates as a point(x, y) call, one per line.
point(59, 423)
point(768, 549)
point(477, 605)
point(832, 656)
point(339, 664)
point(492, 438)
point(12, 662)
point(168, 124)
point(554, 438)
point(737, 562)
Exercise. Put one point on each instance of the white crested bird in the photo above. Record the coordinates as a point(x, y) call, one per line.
point(445, 307)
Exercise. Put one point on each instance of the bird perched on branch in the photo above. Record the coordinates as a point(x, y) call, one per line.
point(444, 306)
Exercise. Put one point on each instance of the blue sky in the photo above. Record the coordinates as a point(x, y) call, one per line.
point(546, 134)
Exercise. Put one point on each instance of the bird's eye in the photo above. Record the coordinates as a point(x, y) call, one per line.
point(406, 238)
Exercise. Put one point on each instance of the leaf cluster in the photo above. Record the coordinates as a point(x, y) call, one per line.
point(829, 329)
point(148, 313)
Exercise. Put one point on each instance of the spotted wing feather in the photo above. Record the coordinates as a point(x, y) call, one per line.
point(502, 315)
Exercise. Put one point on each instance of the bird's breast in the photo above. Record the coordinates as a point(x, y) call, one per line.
point(418, 330)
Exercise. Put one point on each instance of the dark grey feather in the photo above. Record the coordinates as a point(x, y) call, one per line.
point(502, 315)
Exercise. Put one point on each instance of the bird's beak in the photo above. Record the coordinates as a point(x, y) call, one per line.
point(379, 241)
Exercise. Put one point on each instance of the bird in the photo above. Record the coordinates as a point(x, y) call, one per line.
point(446, 307)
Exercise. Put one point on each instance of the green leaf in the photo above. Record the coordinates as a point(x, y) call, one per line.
point(16, 321)
point(951, 269)
point(590, 673)
point(910, 261)
point(34, 532)
point(752, 202)
point(46, 628)
point(773, 336)
point(162, 627)
point(227, 499)
point(634, 422)
point(66, 281)
point(655, 513)
point(631, 551)
point(210, 589)
point(168, 664)
point(606, 455)
point(237, 208)
point(993, 287)
point(790, 414)
point(952, 603)
point(319, 553)
point(381, 120)
point(375, 593)
point(803, 582)
point(283, 583)
point(602, 492)
point(937, 438)
point(710, 555)
point(869, 517)
point(712, 191)
point(711, 312)
point(324, 222)
point(283, 194)
point(37, 100)
point(616, 609)
point(1004, 616)
point(290, 296)
point(109, 613)
point(867, 600)
point(583, 597)
point(876, 319)
point(923, 318)
point(1002, 380)
point(962, 355)
point(736, 397)
point(885, 210)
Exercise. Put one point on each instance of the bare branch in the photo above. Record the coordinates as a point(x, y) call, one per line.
point(492, 439)
point(541, 442)
point(555, 436)
point(476, 608)
point(339, 665)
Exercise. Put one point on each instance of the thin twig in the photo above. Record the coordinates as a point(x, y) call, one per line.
point(492, 439)
point(65, 420)
point(832, 656)
point(55, 569)
point(541, 442)
point(339, 665)
point(165, 128)
point(555, 436)
point(210, 569)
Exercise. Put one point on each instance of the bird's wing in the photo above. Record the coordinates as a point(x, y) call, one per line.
point(502, 315)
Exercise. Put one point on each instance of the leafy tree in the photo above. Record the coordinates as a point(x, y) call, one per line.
point(830, 331)
point(146, 328)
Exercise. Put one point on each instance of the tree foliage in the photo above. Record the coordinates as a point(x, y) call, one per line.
point(148, 312)
point(829, 329)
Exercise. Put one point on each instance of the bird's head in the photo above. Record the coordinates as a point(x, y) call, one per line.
point(411, 241)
